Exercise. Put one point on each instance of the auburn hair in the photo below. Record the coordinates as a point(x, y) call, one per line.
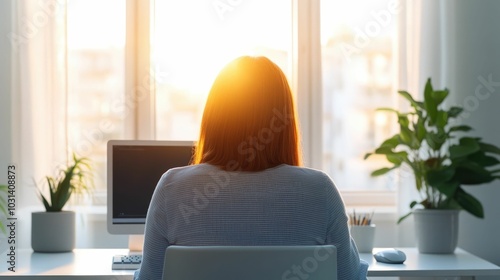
point(249, 122)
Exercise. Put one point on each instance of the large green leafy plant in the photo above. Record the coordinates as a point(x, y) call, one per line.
point(74, 178)
point(440, 154)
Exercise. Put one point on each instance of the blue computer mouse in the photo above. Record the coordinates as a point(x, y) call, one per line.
point(393, 256)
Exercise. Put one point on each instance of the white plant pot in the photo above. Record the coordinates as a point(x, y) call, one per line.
point(364, 237)
point(436, 230)
point(53, 232)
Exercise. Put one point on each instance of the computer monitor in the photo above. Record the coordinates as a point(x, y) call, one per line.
point(133, 170)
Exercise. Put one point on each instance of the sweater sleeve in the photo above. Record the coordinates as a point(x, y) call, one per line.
point(155, 240)
point(348, 261)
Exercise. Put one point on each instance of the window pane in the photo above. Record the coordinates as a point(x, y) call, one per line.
point(193, 40)
point(357, 59)
point(96, 111)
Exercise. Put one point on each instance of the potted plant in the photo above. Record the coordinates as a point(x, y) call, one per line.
point(54, 229)
point(443, 159)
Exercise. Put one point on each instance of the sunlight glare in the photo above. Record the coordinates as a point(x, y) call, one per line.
point(196, 43)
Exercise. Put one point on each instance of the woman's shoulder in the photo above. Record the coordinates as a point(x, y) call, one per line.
point(304, 171)
point(188, 171)
point(300, 174)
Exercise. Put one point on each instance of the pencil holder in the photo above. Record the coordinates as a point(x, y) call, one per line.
point(364, 237)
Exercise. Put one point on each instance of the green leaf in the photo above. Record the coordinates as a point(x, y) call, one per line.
point(397, 158)
point(441, 119)
point(442, 180)
point(412, 204)
point(466, 147)
point(381, 171)
point(482, 159)
point(439, 95)
point(408, 138)
point(455, 111)
point(430, 104)
point(392, 142)
point(447, 188)
point(469, 203)
point(489, 148)
point(471, 173)
point(44, 201)
point(420, 130)
point(52, 189)
point(435, 139)
point(418, 175)
point(403, 120)
point(414, 104)
point(388, 110)
point(464, 128)
point(383, 150)
point(404, 217)
point(435, 177)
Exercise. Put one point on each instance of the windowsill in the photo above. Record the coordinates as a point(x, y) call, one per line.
point(96, 213)
point(369, 199)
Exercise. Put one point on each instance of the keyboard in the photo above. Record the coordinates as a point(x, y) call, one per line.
point(132, 261)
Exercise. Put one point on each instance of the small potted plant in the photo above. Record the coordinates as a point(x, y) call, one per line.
point(443, 159)
point(54, 229)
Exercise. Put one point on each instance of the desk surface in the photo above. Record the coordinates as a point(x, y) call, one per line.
point(81, 263)
point(461, 263)
point(96, 264)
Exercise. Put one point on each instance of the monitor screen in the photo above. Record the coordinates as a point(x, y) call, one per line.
point(134, 168)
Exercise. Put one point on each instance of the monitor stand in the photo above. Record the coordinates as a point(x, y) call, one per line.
point(135, 243)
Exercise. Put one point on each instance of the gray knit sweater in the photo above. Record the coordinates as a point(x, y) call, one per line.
point(285, 205)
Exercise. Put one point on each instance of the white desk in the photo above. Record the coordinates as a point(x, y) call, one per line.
point(80, 264)
point(460, 264)
point(96, 264)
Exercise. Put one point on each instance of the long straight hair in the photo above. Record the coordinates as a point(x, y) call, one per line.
point(249, 122)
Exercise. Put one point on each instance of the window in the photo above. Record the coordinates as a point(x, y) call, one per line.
point(96, 80)
point(178, 47)
point(357, 39)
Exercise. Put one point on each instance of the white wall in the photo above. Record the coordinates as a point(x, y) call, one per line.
point(474, 57)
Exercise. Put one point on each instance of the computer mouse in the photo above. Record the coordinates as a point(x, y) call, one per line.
point(393, 256)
